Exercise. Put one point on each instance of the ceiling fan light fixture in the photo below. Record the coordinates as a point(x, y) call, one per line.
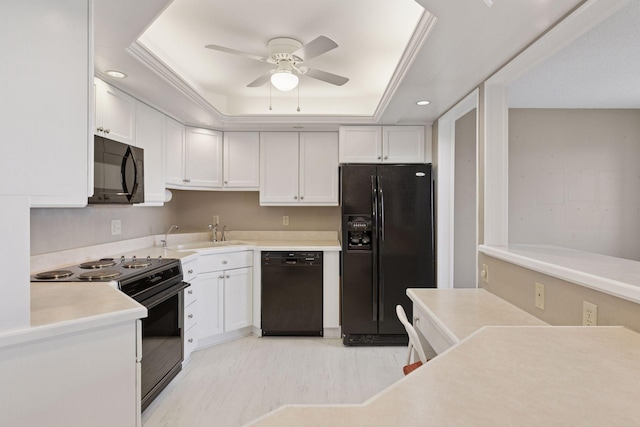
point(284, 80)
point(423, 102)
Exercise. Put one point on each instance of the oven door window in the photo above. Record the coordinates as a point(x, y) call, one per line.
point(161, 341)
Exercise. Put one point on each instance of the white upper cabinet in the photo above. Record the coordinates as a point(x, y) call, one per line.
point(383, 144)
point(403, 144)
point(47, 71)
point(360, 144)
point(203, 159)
point(174, 150)
point(278, 168)
point(319, 168)
point(150, 136)
point(193, 157)
point(115, 113)
point(241, 165)
point(298, 169)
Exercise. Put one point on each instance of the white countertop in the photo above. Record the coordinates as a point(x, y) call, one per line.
point(614, 276)
point(458, 313)
point(64, 307)
point(525, 376)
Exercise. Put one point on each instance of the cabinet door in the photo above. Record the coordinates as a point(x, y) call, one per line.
point(360, 144)
point(174, 165)
point(278, 168)
point(319, 168)
point(118, 114)
point(203, 160)
point(46, 73)
point(237, 298)
point(241, 165)
point(210, 298)
point(150, 137)
point(403, 144)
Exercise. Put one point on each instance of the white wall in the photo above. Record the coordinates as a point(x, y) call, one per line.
point(464, 224)
point(574, 179)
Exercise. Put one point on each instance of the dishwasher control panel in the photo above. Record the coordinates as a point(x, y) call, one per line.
point(291, 258)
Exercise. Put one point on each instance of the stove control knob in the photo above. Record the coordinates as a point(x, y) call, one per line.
point(122, 259)
point(133, 258)
point(160, 258)
point(148, 258)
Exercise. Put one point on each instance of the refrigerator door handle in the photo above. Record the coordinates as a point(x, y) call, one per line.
point(374, 263)
point(381, 249)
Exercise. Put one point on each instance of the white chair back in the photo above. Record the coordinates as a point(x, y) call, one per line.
point(414, 339)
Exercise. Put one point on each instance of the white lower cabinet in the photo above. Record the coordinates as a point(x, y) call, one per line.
point(225, 291)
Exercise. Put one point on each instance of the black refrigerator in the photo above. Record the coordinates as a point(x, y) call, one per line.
point(387, 247)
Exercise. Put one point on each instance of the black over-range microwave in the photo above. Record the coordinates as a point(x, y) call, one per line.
point(118, 173)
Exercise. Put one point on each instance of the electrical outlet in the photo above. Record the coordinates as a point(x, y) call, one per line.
point(589, 314)
point(216, 219)
point(285, 220)
point(485, 273)
point(116, 227)
point(540, 296)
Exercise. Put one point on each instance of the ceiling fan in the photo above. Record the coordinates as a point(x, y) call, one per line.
point(287, 54)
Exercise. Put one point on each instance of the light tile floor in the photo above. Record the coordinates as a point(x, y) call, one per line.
point(236, 382)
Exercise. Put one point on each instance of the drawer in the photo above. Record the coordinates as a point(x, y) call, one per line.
point(190, 342)
point(423, 324)
point(189, 269)
point(226, 261)
point(191, 294)
point(190, 316)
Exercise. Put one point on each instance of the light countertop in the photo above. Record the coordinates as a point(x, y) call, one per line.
point(614, 276)
point(525, 376)
point(65, 307)
point(458, 313)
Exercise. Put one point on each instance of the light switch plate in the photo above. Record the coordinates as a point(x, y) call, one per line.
point(285, 220)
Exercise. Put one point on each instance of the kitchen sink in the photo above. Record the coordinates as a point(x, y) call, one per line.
point(205, 245)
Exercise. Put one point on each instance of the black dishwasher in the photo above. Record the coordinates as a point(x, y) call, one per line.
point(292, 293)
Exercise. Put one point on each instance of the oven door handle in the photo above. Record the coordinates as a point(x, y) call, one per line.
point(164, 295)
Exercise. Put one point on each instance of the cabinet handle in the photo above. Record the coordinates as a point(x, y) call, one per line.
point(295, 197)
point(186, 180)
point(107, 131)
point(190, 316)
point(190, 339)
point(386, 157)
point(301, 197)
point(224, 262)
point(228, 277)
point(190, 292)
point(226, 182)
point(100, 129)
point(190, 272)
point(379, 157)
point(221, 277)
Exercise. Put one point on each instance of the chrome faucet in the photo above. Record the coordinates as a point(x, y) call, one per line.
point(164, 242)
point(225, 229)
point(214, 232)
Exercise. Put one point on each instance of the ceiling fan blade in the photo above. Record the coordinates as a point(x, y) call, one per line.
point(235, 52)
point(261, 80)
point(315, 47)
point(334, 79)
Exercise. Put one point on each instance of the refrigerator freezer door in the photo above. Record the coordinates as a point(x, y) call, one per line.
point(406, 252)
point(359, 267)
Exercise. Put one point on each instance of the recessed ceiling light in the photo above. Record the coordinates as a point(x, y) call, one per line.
point(116, 74)
point(423, 102)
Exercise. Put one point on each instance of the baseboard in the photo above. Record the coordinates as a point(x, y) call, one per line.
point(221, 338)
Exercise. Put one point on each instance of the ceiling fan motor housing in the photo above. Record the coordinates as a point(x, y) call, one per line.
point(281, 49)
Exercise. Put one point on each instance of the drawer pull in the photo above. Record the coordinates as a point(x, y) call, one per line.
point(228, 277)
point(190, 272)
point(190, 292)
point(190, 339)
point(221, 277)
point(224, 262)
point(190, 316)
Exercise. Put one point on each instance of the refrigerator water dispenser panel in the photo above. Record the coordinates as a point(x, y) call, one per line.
point(359, 229)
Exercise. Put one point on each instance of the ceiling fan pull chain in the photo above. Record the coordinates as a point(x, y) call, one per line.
point(270, 96)
point(298, 98)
